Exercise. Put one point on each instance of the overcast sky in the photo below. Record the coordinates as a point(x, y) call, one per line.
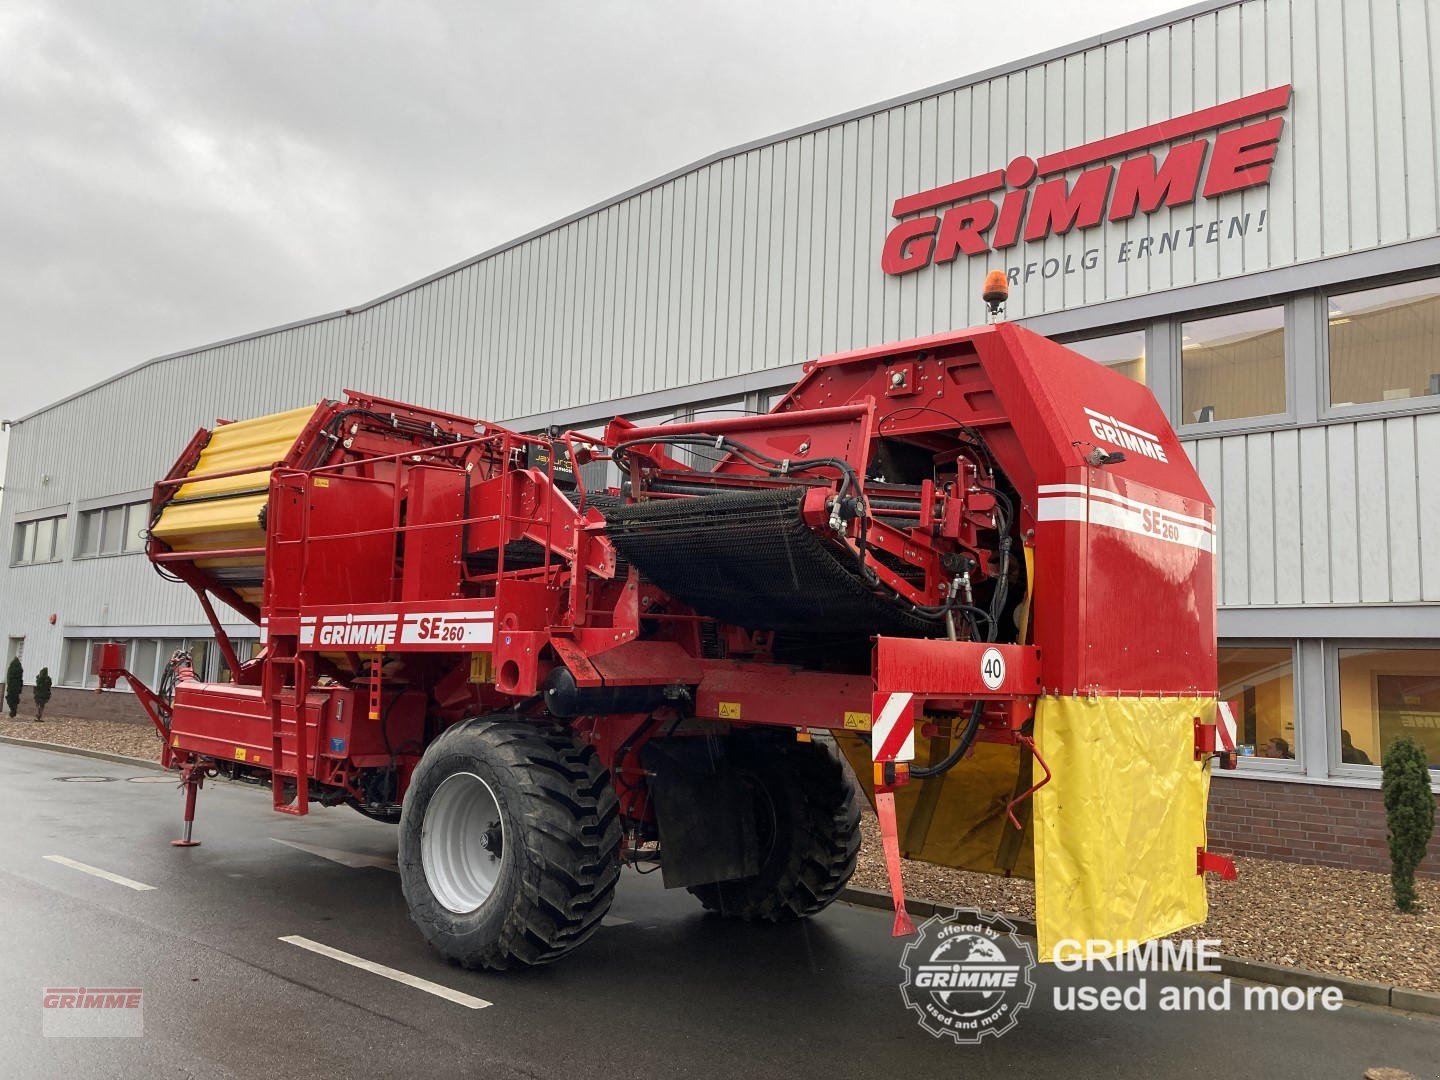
point(173, 173)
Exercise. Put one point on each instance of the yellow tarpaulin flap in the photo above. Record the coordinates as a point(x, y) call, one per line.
point(1118, 827)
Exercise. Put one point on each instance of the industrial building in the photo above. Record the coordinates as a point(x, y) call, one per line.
point(1237, 204)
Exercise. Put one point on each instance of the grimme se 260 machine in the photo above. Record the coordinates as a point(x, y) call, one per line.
point(978, 563)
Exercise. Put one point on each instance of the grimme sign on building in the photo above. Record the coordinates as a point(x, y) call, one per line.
point(973, 222)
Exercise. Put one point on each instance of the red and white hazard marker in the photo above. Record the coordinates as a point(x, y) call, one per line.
point(1225, 729)
point(892, 731)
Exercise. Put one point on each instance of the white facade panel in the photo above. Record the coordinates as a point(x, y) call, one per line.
point(1339, 514)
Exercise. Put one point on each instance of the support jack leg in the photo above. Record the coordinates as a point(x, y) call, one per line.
point(890, 841)
point(193, 778)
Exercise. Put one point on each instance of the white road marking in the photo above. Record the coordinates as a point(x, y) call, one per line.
point(86, 868)
point(388, 972)
point(353, 859)
point(615, 920)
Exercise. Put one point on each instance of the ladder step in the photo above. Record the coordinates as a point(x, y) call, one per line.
point(288, 732)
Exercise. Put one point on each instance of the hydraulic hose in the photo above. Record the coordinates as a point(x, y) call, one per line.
point(950, 760)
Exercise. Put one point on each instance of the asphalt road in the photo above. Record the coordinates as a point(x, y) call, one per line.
point(663, 990)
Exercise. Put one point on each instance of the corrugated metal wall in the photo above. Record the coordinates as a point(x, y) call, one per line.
point(771, 255)
point(1337, 514)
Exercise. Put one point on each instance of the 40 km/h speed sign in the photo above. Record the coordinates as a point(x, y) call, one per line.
point(992, 669)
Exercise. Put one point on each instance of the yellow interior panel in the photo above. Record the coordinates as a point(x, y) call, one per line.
point(958, 819)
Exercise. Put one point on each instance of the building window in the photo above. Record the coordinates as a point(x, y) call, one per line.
point(766, 400)
point(1385, 694)
point(1124, 353)
point(141, 658)
point(245, 649)
point(165, 648)
point(75, 666)
point(113, 530)
point(1259, 684)
point(38, 541)
point(597, 476)
point(204, 657)
point(705, 458)
point(1233, 366)
point(148, 658)
point(1385, 343)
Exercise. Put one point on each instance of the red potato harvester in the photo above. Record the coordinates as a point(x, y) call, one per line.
point(977, 564)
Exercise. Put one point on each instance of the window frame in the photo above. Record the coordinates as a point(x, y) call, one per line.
point(32, 522)
point(210, 667)
point(1152, 331)
point(101, 515)
point(1334, 716)
point(67, 644)
point(1257, 766)
point(1241, 424)
point(714, 409)
point(1363, 410)
point(22, 544)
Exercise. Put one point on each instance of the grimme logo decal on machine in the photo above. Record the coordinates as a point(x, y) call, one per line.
point(387, 628)
point(1126, 436)
point(967, 975)
point(999, 209)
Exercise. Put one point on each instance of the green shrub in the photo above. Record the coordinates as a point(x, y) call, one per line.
point(1409, 815)
point(42, 692)
point(14, 684)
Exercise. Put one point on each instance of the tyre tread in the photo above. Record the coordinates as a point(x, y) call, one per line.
point(827, 843)
point(568, 820)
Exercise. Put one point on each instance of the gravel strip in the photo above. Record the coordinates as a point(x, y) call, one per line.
point(1341, 922)
point(107, 736)
point(1337, 921)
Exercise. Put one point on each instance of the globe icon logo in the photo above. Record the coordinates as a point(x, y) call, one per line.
point(974, 953)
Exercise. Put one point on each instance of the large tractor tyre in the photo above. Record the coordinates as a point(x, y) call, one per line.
point(509, 843)
point(808, 827)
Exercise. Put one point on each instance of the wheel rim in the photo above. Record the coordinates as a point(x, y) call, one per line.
point(462, 843)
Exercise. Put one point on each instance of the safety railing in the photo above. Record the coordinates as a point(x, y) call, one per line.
point(502, 449)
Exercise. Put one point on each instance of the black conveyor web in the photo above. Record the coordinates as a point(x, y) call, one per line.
point(747, 558)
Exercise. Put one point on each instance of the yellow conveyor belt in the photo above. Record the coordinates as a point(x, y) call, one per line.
point(220, 513)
